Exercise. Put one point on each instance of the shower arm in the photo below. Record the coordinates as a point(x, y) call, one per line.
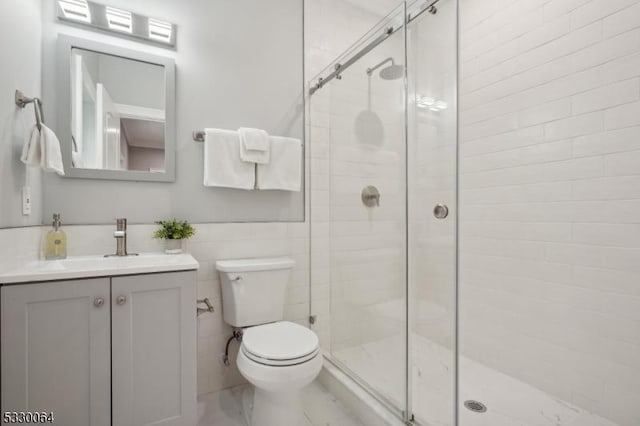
point(375, 67)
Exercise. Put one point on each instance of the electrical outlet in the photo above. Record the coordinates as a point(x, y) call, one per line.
point(26, 201)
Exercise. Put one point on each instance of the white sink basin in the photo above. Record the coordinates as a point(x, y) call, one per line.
point(98, 266)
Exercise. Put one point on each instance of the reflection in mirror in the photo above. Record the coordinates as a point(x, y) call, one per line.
point(117, 113)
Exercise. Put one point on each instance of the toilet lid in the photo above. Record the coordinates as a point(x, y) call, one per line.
point(280, 343)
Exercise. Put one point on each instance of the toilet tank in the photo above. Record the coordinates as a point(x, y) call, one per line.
point(254, 290)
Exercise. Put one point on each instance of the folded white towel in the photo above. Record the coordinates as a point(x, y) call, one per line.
point(284, 171)
point(254, 139)
point(254, 145)
point(42, 148)
point(222, 164)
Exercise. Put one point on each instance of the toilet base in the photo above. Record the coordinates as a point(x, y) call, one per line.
point(276, 409)
point(271, 409)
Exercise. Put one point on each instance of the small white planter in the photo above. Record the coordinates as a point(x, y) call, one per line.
point(173, 246)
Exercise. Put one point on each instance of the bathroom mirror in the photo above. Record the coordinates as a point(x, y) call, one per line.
point(116, 112)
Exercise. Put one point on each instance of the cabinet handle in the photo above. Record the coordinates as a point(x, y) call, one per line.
point(121, 300)
point(98, 302)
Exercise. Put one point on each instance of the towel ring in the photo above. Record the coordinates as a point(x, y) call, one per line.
point(22, 101)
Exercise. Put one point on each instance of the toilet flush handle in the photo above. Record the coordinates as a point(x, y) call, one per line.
point(236, 279)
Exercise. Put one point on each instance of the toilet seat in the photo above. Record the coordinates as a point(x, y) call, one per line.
point(281, 343)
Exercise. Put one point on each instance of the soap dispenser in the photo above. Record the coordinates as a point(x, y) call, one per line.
point(55, 241)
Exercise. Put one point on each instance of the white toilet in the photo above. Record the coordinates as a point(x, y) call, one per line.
point(278, 357)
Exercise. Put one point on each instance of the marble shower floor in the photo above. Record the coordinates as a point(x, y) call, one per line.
point(510, 402)
point(321, 408)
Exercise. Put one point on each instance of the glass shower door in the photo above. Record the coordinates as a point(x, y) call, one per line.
point(358, 214)
point(432, 188)
point(383, 187)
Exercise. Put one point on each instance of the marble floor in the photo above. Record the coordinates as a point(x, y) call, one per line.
point(321, 408)
point(510, 402)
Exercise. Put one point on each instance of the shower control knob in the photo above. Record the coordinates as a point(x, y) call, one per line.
point(370, 196)
point(440, 211)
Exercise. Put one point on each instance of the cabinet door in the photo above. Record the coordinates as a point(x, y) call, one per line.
point(56, 350)
point(154, 349)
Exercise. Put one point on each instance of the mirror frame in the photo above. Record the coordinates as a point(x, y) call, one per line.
point(63, 94)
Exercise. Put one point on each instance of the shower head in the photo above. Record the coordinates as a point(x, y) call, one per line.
point(392, 72)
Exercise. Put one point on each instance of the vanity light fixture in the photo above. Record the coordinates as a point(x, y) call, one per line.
point(77, 10)
point(115, 21)
point(160, 30)
point(119, 20)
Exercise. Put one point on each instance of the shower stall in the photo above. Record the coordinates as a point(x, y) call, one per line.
point(383, 211)
point(474, 210)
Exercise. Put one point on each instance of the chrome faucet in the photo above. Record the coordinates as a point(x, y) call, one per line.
point(120, 234)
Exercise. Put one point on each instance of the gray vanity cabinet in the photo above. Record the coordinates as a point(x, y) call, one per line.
point(68, 346)
point(56, 350)
point(154, 349)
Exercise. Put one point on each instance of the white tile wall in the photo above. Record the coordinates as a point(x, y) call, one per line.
point(550, 192)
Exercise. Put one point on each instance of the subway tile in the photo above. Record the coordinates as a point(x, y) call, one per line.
point(608, 142)
point(546, 112)
point(556, 8)
point(624, 20)
point(595, 10)
point(606, 97)
point(622, 116)
point(574, 126)
point(623, 164)
point(608, 188)
point(622, 68)
point(607, 234)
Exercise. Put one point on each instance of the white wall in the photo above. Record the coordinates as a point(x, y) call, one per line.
point(237, 64)
point(20, 23)
point(550, 190)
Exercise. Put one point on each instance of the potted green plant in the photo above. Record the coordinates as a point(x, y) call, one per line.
point(173, 232)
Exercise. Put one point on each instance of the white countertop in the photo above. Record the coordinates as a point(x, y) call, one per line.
point(98, 266)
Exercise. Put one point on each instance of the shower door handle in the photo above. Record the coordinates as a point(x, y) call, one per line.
point(440, 211)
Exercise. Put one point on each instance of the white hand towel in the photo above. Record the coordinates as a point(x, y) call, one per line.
point(42, 148)
point(31, 152)
point(284, 171)
point(254, 145)
point(222, 164)
point(52, 159)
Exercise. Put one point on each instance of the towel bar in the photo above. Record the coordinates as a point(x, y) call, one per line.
point(22, 101)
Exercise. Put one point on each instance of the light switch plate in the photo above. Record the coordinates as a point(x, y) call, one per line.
point(26, 201)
